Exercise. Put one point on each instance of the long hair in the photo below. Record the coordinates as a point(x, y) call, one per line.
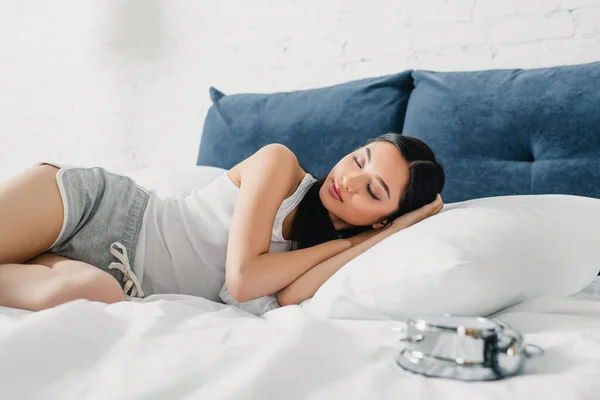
point(312, 225)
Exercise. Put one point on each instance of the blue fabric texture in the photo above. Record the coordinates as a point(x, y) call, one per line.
point(506, 132)
point(320, 125)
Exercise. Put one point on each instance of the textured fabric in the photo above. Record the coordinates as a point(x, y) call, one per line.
point(503, 132)
point(100, 208)
point(320, 125)
point(182, 245)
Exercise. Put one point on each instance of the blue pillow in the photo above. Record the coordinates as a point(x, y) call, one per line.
point(319, 125)
point(507, 132)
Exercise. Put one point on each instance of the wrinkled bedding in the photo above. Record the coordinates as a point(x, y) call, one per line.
point(181, 347)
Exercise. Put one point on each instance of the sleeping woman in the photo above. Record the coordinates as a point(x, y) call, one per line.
point(265, 226)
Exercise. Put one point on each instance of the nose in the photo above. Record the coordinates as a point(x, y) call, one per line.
point(351, 182)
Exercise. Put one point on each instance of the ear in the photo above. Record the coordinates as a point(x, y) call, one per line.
point(380, 225)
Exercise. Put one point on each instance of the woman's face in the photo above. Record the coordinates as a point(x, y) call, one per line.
point(365, 186)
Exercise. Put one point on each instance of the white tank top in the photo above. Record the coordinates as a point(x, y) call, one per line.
point(182, 244)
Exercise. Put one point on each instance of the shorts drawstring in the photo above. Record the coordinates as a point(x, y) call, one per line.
point(131, 281)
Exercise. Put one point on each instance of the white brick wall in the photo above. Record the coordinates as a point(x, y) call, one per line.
point(124, 84)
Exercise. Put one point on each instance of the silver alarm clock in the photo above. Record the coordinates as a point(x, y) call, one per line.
point(465, 348)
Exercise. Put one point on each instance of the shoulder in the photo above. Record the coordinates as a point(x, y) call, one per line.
point(279, 153)
point(275, 156)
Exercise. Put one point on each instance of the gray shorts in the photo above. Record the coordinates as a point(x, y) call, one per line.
point(100, 208)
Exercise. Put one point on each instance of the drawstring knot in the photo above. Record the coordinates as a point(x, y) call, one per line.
point(131, 281)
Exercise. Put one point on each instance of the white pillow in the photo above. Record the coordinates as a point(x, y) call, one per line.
point(473, 258)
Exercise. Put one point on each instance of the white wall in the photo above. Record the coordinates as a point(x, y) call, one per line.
point(124, 84)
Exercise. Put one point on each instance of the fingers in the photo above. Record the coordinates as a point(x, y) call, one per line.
point(436, 205)
point(420, 214)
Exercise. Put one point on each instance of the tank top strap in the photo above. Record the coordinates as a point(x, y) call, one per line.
point(289, 204)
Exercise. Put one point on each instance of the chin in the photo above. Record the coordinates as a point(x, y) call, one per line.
point(324, 197)
point(328, 202)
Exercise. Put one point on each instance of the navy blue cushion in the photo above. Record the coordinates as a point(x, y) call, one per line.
point(319, 125)
point(506, 132)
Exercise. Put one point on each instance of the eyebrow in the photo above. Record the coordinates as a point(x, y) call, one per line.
point(387, 189)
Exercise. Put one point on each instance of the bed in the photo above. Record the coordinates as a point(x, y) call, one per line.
point(182, 347)
point(179, 347)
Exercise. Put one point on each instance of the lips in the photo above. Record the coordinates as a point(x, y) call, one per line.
point(335, 191)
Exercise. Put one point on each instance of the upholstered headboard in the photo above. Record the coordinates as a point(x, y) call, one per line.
point(320, 125)
point(505, 132)
point(497, 132)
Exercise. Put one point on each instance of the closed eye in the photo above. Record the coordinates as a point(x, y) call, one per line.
point(371, 193)
point(368, 186)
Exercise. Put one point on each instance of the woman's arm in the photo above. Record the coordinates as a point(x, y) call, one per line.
point(308, 284)
point(270, 272)
point(267, 177)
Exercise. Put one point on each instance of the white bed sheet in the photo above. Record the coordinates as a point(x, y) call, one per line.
point(172, 347)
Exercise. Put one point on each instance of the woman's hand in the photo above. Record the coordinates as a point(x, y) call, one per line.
point(418, 215)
